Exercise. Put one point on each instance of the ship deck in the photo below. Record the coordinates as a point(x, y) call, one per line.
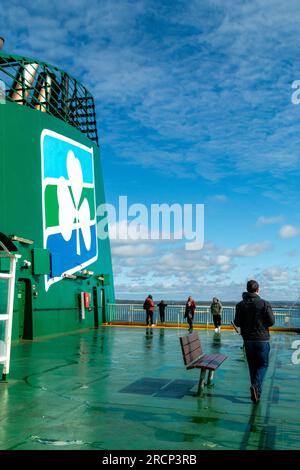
point(127, 388)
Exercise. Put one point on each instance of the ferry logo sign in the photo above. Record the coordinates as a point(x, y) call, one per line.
point(68, 197)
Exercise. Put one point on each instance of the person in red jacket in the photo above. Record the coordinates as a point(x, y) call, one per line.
point(149, 307)
point(190, 308)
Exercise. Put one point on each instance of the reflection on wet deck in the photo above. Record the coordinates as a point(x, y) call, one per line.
point(127, 388)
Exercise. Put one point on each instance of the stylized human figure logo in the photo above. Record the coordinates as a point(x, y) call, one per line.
point(71, 209)
point(68, 204)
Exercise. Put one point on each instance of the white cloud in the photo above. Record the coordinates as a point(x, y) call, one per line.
point(279, 282)
point(275, 275)
point(292, 253)
point(249, 250)
point(223, 259)
point(220, 198)
point(263, 220)
point(209, 270)
point(176, 268)
point(200, 106)
point(136, 250)
point(289, 231)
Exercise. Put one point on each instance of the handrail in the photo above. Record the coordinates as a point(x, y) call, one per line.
point(4, 248)
point(286, 318)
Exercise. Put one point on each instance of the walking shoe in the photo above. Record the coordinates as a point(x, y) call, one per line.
point(216, 330)
point(254, 394)
point(219, 329)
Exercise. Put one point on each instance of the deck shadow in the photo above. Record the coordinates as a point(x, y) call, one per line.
point(160, 388)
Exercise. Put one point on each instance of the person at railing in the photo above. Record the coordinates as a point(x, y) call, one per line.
point(254, 316)
point(216, 311)
point(189, 313)
point(162, 307)
point(149, 306)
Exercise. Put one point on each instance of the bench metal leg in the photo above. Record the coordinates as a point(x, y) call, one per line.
point(201, 381)
point(210, 377)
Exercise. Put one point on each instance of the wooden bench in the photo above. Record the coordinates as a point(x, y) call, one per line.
point(194, 358)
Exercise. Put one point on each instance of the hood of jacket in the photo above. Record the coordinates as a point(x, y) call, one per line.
point(249, 297)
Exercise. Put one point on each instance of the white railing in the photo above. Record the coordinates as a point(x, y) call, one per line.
point(174, 315)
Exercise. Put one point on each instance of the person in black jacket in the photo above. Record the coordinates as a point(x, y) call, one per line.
point(189, 313)
point(162, 307)
point(254, 316)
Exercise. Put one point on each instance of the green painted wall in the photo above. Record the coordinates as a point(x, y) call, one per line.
point(56, 310)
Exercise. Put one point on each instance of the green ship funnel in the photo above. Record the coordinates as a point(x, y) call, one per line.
point(50, 187)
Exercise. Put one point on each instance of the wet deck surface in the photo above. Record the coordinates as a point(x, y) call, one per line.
point(127, 388)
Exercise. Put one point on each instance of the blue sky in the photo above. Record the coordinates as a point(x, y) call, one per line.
point(194, 106)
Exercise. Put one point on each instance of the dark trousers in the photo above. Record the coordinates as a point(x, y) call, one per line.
point(149, 317)
point(162, 317)
point(189, 319)
point(257, 353)
point(217, 320)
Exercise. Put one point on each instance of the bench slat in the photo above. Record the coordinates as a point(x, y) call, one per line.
point(189, 338)
point(190, 358)
point(212, 361)
point(194, 350)
point(191, 348)
point(212, 357)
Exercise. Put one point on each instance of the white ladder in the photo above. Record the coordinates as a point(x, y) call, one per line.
point(7, 317)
